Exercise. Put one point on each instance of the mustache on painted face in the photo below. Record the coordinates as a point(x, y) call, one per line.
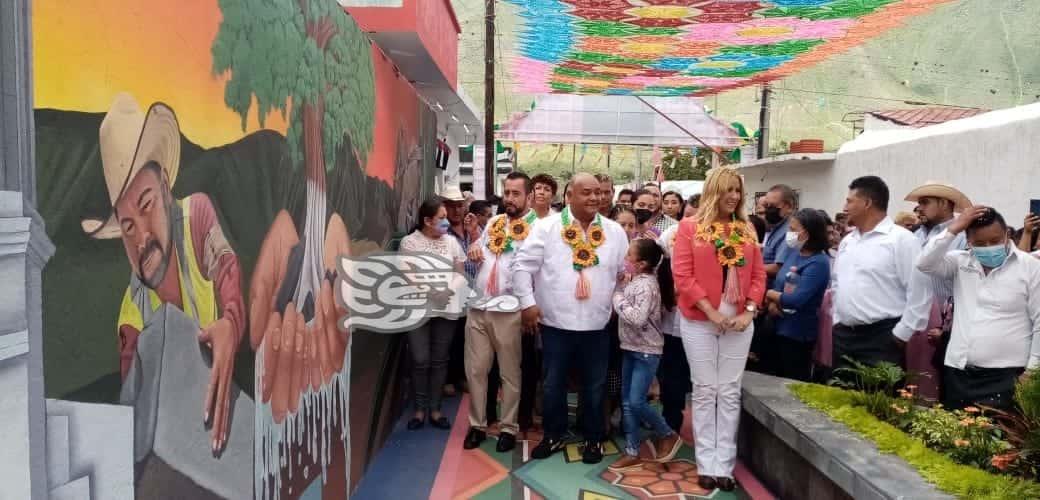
point(152, 249)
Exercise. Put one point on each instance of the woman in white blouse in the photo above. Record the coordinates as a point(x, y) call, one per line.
point(430, 344)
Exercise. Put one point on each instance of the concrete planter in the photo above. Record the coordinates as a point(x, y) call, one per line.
point(798, 452)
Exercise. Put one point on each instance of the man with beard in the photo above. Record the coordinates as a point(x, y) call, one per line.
point(543, 192)
point(779, 203)
point(564, 276)
point(177, 250)
point(491, 333)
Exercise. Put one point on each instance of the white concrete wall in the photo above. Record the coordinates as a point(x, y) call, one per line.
point(814, 182)
point(994, 158)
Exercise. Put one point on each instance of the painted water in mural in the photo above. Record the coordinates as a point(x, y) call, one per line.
point(200, 168)
point(688, 47)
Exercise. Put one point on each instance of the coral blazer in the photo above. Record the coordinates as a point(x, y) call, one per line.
point(698, 274)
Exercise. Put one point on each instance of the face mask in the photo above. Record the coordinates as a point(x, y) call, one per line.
point(773, 215)
point(793, 241)
point(443, 226)
point(643, 215)
point(991, 257)
point(630, 268)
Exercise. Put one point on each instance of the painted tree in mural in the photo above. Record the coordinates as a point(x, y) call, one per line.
point(310, 57)
point(309, 61)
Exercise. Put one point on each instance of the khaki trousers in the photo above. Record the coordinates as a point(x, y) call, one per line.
point(488, 334)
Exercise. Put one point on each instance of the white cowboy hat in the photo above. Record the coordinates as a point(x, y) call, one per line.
point(128, 140)
point(451, 192)
point(933, 189)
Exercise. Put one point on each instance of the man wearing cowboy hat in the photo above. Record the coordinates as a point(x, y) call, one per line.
point(936, 204)
point(177, 250)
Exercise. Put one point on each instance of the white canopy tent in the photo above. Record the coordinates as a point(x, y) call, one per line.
point(572, 119)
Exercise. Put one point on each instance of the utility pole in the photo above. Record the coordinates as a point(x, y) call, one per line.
point(763, 123)
point(491, 156)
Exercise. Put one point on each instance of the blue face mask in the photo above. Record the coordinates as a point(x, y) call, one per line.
point(443, 226)
point(991, 257)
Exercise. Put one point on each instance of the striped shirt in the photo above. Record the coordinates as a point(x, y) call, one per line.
point(941, 287)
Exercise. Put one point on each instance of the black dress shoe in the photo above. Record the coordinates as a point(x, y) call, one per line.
point(506, 442)
point(726, 483)
point(440, 422)
point(707, 483)
point(593, 453)
point(473, 438)
point(415, 423)
point(546, 448)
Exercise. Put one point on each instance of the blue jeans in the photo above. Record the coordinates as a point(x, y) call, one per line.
point(637, 372)
point(562, 349)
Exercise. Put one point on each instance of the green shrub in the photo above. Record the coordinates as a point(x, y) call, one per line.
point(962, 481)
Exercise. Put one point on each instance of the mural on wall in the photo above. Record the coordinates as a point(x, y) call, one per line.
point(199, 172)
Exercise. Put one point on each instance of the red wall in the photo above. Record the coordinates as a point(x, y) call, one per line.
point(433, 21)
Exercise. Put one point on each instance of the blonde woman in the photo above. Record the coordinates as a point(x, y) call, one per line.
point(721, 280)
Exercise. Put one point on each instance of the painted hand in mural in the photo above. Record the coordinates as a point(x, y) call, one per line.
point(296, 356)
point(221, 338)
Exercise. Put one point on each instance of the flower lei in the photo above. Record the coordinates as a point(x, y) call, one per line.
point(500, 239)
point(729, 248)
point(583, 253)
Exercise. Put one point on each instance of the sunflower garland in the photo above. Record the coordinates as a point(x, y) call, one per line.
point(503, 233)
point(583, 252)
point(728, 240)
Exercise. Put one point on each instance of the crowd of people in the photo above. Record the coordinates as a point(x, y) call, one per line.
point(648, 295)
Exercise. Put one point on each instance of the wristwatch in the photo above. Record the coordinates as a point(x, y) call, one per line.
point(750, 308)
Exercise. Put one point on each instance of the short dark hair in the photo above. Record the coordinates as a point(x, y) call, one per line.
point(872, 188)
point(547, 180)
point(479, 206)
point(815, 225)
point(429, 208)
point(787, 194)
point(625, 192)
point(604, 178)
point(989, 217)
point(520, 175)
point(694, 201)
point(641, 192)
point(617, 210)
point(654, 184)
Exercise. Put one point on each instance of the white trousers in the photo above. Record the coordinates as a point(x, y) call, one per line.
point(716, 368)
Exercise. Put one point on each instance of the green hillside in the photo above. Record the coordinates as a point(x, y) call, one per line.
point(976, 53)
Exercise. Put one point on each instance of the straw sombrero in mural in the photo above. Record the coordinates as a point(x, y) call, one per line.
point(932, 189)
point(129, 139)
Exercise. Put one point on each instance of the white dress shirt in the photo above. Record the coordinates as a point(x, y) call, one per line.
point(543, 274)
point(996, 317)
point(942, 288)
point(505, 260)
point(875, 280)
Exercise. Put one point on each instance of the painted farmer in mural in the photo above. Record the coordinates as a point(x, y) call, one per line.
point(176, 248)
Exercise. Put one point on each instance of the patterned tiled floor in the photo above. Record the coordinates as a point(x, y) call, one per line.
point(485, 474)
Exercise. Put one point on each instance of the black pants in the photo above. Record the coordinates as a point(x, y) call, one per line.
point(990, 387)
point(868, 344)
point(530, 375)
point(457, 362)
point(673, 375)
point(763, 346)
point(793, 358)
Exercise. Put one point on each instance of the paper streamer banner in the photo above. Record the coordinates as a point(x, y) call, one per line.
point(673, 48)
